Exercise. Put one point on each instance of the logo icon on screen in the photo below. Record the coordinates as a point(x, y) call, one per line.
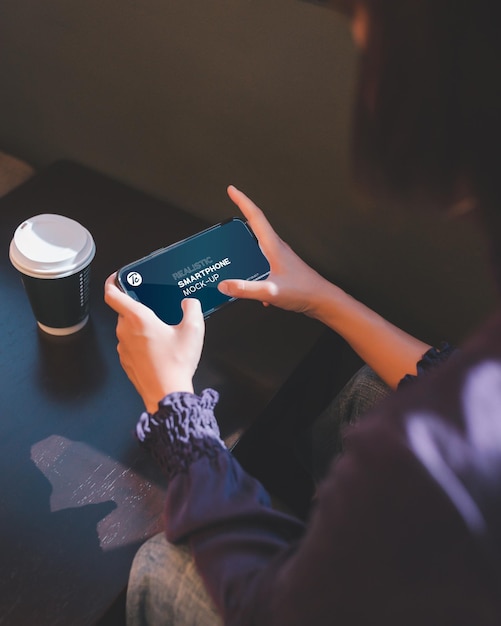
point(134, 279)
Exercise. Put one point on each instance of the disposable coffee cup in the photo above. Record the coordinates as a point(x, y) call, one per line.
point(53, 254)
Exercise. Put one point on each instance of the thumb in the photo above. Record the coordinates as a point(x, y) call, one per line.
point(192, 313)
point(261, 290)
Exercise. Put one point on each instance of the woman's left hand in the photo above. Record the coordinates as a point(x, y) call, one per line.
point(159, 359)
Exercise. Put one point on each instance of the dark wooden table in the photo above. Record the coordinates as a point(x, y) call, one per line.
point(77, 494)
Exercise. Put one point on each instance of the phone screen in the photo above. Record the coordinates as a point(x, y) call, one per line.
point(192, 268)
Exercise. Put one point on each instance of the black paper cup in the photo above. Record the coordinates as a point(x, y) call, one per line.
point(53, 254)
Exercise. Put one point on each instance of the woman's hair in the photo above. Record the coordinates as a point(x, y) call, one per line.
point(428, 111)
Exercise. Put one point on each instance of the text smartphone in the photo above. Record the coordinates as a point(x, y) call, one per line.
point(192, 268)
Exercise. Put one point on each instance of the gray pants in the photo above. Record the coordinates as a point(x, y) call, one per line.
point(164, 585)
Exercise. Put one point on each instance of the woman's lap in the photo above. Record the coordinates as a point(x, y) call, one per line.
point(323, 441)
point(166, 589)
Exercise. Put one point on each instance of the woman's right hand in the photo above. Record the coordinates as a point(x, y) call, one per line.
point(292, 284)
point(295, 286)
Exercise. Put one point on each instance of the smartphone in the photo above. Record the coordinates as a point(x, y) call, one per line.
point(192, 268)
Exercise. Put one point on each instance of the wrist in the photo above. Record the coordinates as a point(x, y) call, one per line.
point(153, 398)
point(328, 303)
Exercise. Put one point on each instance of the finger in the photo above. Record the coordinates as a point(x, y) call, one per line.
point(113, 296)
point(262, 290)
point(192, 313)
point(119, 301)
point(255, 216)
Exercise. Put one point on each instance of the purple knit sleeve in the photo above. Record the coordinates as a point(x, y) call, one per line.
point(430, 360)
point(183, 430)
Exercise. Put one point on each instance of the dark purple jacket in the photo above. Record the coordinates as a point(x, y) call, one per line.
point(406, 529)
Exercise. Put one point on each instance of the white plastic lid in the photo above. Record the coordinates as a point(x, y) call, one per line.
point(51, 246)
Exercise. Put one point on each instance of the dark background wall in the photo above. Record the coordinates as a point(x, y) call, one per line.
point(182, 98)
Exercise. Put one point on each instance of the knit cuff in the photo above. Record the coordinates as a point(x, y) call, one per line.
point(182, 430)
point(430, 360)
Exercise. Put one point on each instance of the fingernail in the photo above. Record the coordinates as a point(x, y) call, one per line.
point(223, 289)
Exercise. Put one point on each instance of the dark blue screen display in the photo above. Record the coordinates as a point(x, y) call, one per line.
point(193, 268)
